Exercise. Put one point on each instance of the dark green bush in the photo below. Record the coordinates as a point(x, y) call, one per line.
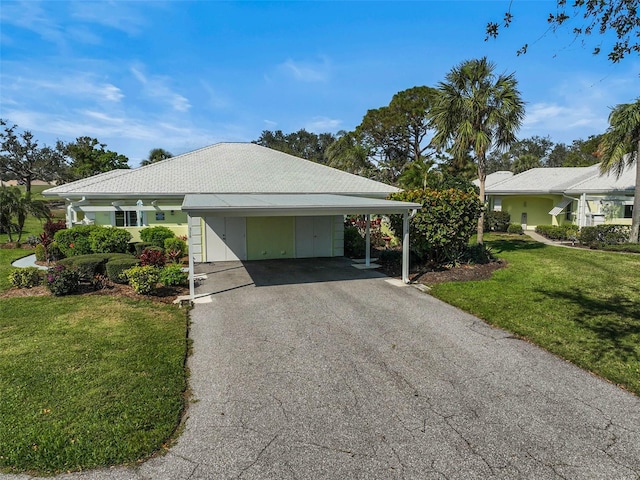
point(604, 235)
point(41, 253)
point(175, 248)
point(109, 240)
point(75, 241)
point(390, 257)
point(139, 247)
point(623, 247)
point(143, 279)
point(53, 252)
point(25, 277)
point(173, 276)
point(515, 228)
point(478, 254)
point(440, 232)
point(354, 244)
point(496, 221)
point(61, 280)
point(558, 232)
point(115, 268)
point(87, 266)
point(156, 235)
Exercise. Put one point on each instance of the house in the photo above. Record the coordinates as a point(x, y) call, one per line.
point(234, 201)
point(563, 195)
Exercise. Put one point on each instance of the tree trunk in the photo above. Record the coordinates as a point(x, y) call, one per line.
point(481, 177)
point(635, 217)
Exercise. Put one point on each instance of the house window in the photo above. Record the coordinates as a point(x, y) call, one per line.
point(569, 212)
point(126, 219)
point(628, 211)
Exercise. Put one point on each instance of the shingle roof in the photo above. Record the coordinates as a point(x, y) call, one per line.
point(607, 183)
point(544, 180)
point(226, 168)
point(494, 178)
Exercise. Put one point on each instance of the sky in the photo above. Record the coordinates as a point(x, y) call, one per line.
point(181, 75)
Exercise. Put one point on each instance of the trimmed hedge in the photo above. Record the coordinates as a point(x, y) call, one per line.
point(515, 228)
point(75, 241)
point(109, 240)
point(496, 221)
point(115, 268)
point(88, 266)
point(156, 235)
point(558, 232)
point(600, 235)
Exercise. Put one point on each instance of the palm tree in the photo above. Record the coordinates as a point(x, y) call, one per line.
point(156, 155)
point(14, 209)
point(477, 110)
point(620, 149)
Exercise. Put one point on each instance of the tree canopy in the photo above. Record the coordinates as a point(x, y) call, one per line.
point(586, 17)
point(87, 157)
point(156, 155)
point(302, 144)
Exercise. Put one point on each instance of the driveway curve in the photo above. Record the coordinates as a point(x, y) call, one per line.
point(313, 369)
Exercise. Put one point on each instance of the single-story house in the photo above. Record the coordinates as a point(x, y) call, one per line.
point(562, 195)
point(234, 201)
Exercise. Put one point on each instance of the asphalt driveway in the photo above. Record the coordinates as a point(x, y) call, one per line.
point(309, 370)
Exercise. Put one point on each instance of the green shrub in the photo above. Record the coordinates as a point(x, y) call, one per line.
point(88, 266)
point(478, 254)
point(61, 280)
point(173, 276)
point(115, 268)
point(143, 279)
point(354, 244)
point(440, 232)
point(25, 277)
point(623, 247)
point(54, 253)
point(41, 253)
point(175, 249)
point(139, 247)
point(109, 240)
point(558, 232)
point(604, 235)
point(153, 256)
point(156, 235)
point(515, 228)
point(75, 241)
point(496, 221)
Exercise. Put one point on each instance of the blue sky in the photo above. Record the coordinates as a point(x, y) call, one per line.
point(184, 74)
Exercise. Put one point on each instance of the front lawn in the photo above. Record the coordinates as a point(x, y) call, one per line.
point(582, 305)
point(87, 381)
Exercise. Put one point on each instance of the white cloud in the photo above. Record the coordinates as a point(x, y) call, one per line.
point(323, 124)
point(156, 87)
point(117, 15)
point(306, 71)
point(270, 124)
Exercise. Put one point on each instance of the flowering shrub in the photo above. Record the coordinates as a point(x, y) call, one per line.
point(173, 276)
point(153, 257)
point(61, 280)
point(143, 279)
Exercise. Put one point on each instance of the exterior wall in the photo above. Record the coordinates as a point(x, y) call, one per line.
point(338, 236)
point(270, 237)
point(536, 208)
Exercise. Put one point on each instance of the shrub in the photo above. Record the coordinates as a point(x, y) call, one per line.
point(175, 248)
point(139, 247)
point(115, 268)
point(75, 241)
point(156, 235)
point(33, 240)
point(496, 221)
point(604, 235)
point(558, 232)
point(143, 279)
point(515, 228)
point(354, 244)
point(88, 266)
point(478, 254)
point(153, 256)
point(41, 253)
point(53, 252)
point(25, 277)
point(173, 276)
point(440, 231)
point(62, 280)
point(109, 240)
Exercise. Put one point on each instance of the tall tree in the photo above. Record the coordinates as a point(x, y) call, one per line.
point(589, 16)
point(620, 149)
point(22, 157)
point(89, 157)
point(525, 162)
point(302, 144)
point(583, 153)
point(349, 154)
point(476, 111)
point(156, 155)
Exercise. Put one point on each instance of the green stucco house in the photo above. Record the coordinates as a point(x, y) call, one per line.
point(556, 196)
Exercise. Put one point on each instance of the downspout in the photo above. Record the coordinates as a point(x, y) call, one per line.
point(405, 244)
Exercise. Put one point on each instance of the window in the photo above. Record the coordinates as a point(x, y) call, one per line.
point(628, 211)
point(126, 219)
point(569, 212)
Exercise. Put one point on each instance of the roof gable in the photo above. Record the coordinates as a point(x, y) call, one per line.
point(226, 168)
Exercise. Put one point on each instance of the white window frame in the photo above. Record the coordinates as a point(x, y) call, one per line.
point(128, 216)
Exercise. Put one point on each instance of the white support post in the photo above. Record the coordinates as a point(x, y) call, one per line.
point(368, 240)
point(405, 247)
point(192, 283)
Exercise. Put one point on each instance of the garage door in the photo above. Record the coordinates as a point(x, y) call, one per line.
point(314, 237)
point(225, 239)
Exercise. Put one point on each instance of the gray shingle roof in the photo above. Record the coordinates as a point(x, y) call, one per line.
point(226, 168)
point(494, 178)
point(544, 180)
point(607, 183)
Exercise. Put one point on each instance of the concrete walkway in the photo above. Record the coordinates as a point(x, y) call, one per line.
point(312, 370)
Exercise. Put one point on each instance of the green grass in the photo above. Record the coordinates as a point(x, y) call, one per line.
point(579, 304)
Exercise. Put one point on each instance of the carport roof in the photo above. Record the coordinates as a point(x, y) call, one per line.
point(254, 205)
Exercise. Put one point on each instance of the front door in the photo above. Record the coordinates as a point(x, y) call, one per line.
point(314, 237)
point(226, 238)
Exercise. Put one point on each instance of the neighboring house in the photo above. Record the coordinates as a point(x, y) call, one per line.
point(234, 201)
point(563, 195)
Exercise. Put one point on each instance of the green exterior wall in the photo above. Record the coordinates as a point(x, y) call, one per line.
point(270, 237)
point(536, 208)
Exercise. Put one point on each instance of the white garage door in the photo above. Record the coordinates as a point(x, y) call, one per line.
point(225, 238)
point(314, 237)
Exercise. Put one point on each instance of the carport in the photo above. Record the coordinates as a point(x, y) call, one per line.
point(198, 206)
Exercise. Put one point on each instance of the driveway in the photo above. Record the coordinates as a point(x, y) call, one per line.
point(313, 369)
